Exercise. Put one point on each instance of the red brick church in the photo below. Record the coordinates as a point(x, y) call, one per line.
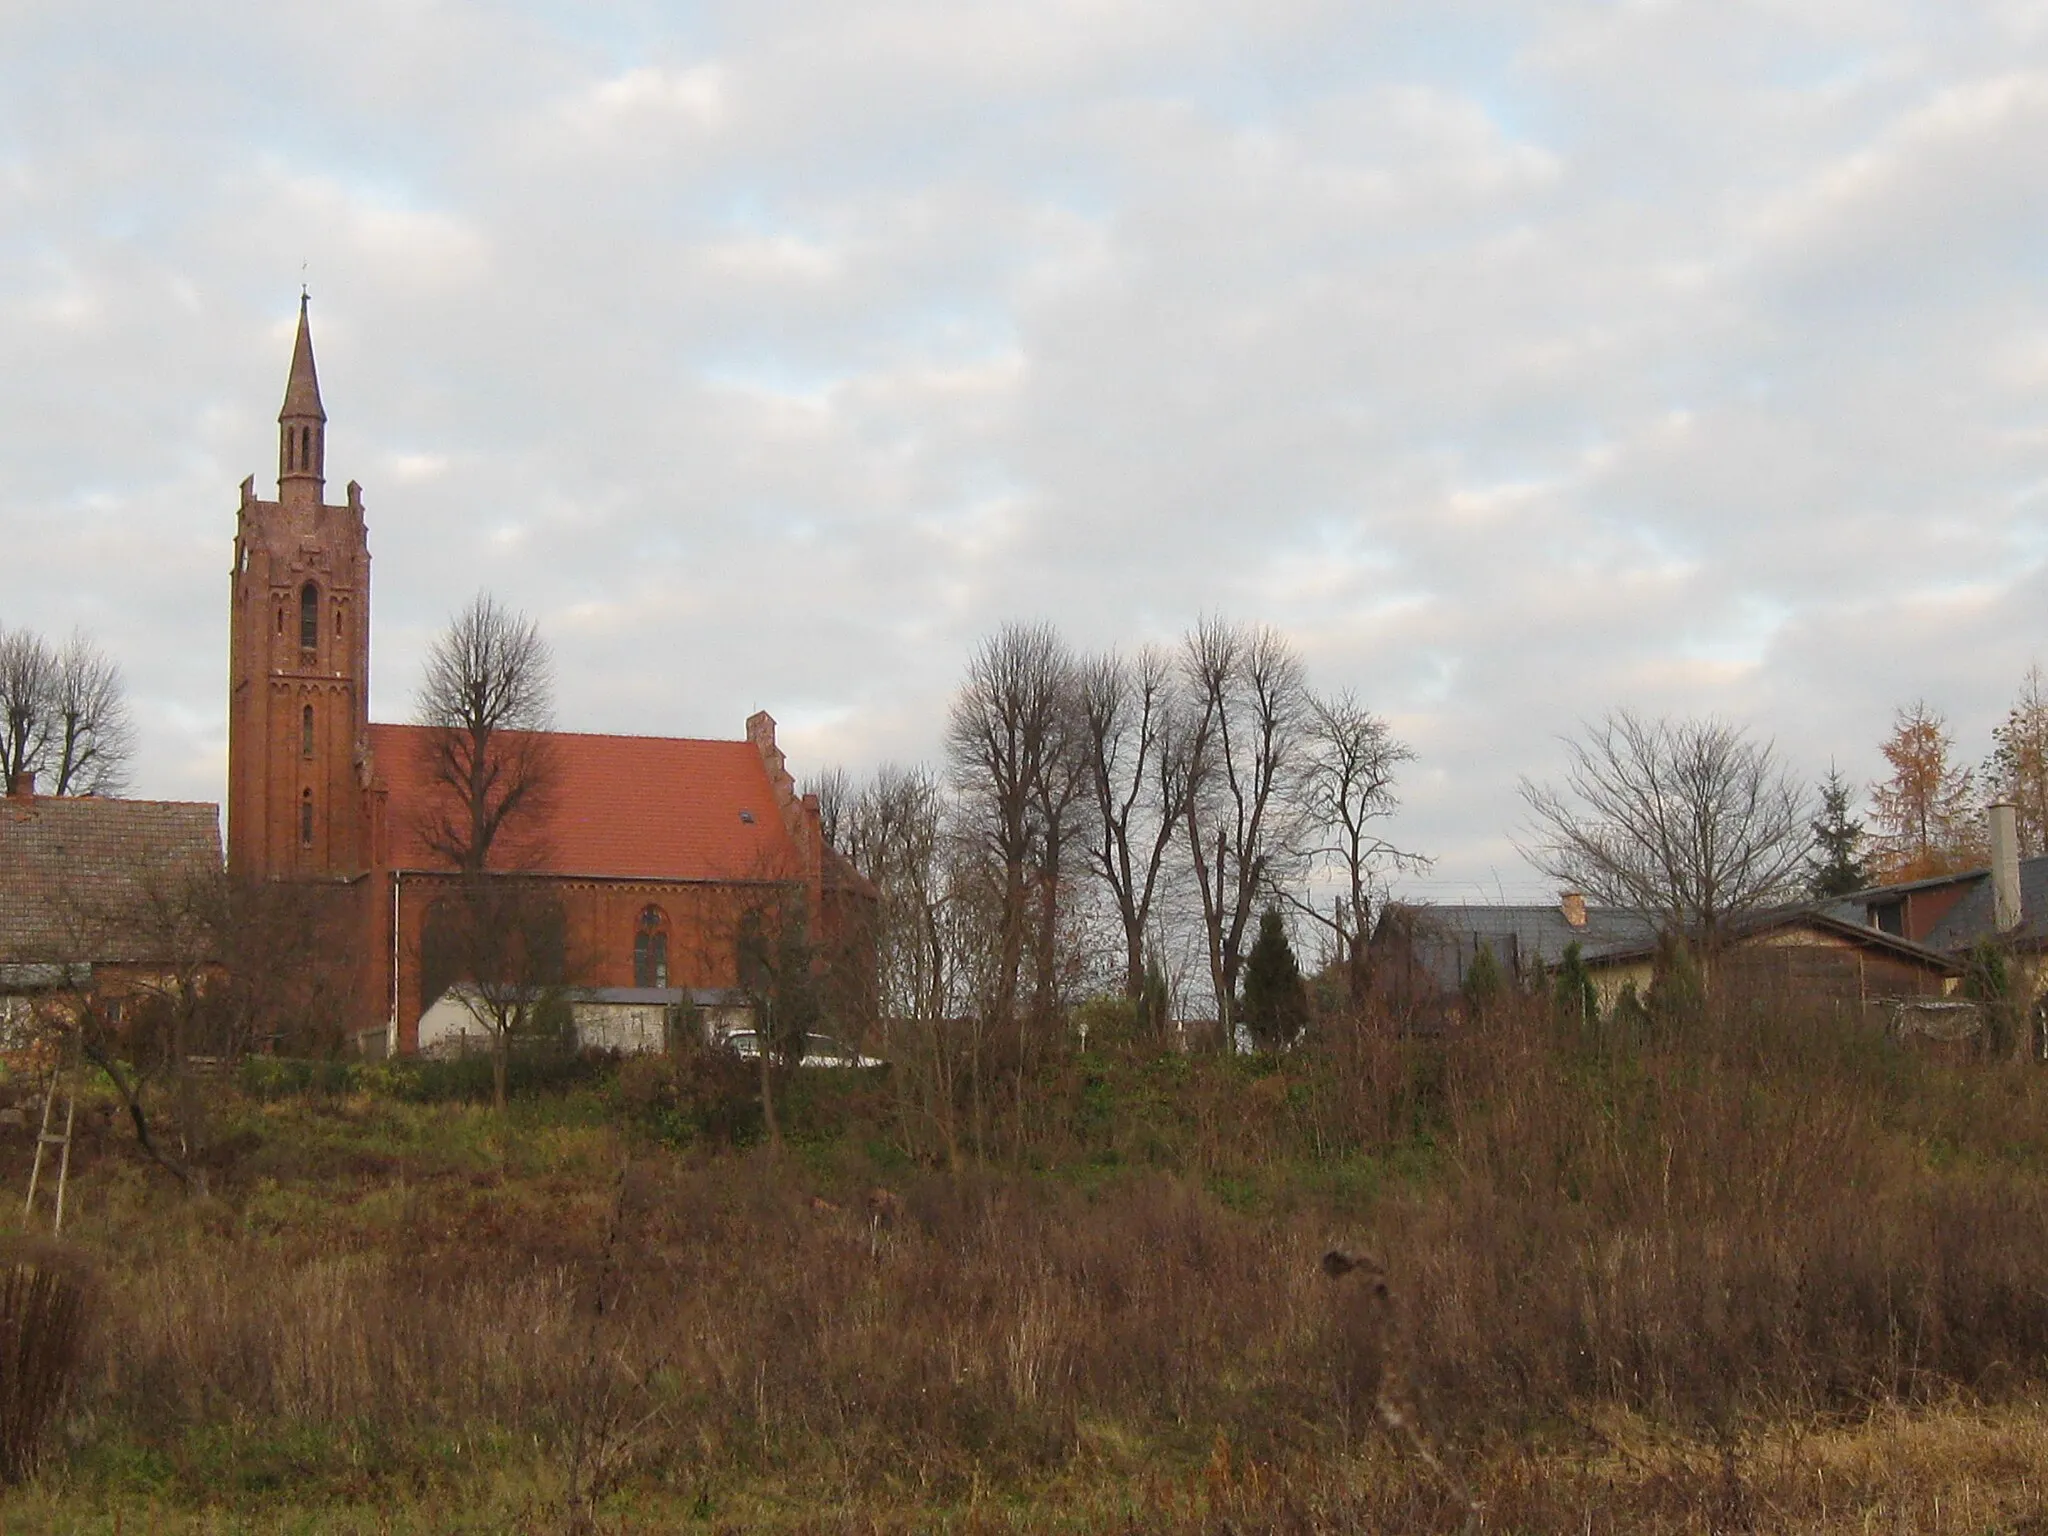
point(654, 847)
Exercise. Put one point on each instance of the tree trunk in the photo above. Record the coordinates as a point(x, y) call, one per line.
point(763, 1043)
point(501, 1063)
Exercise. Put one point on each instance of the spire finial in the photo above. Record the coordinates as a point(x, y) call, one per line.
point(302, 389)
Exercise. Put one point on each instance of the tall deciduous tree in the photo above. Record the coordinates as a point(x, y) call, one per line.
point(1137, 763)
point(63, 716)
point(1926, 812)
point(1247, 701)
point(487, 700)
point(1345, 792)
point(26, 668)
point(1013, 746)
point(1838, 865)
point(1689, 819)
point(2018, 768)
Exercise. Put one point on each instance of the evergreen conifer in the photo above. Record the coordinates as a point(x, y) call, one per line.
point(1484, 982)
point(1275, 1001)
point(1838, 866)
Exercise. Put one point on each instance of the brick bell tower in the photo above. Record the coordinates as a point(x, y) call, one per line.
point(299, 773)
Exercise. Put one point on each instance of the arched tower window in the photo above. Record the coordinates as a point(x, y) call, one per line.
point(305, 448)
point(306, 819)
point(309, 616)
point(306, 732)
point(650, 949)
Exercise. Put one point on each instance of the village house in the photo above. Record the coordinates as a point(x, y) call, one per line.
point(98, 898)
point(1800, 952)
point(2005, 901)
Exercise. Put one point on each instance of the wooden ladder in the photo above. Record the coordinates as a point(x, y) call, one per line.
point(45, 1139)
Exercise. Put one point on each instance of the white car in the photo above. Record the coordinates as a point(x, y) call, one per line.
point(819, 1050)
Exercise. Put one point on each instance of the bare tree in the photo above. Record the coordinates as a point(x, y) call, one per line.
point(895, 830)
point(63, 713)
point(1247, 704)
point(1691, 820)
point(488, 702)
point(1345, 791)
point(1137, 759)
point(27, 673)
point(1011, 741)
point(505, 938)
point(89, 739)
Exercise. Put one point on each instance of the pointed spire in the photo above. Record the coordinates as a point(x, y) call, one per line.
point(302, 391)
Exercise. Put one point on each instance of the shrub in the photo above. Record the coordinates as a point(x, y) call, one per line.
point(45, 1295)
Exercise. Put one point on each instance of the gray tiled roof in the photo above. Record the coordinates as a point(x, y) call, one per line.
point(88, 879)
point(1970, 919)
point(1523, 940)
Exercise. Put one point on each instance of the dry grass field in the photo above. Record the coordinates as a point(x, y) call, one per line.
point(1760, 1274)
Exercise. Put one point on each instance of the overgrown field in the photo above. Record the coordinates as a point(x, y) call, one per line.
point(1761, 1273)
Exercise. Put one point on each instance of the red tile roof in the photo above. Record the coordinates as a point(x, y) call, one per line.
point(622, 807)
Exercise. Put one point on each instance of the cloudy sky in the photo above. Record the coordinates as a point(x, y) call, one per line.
point(1518, 359)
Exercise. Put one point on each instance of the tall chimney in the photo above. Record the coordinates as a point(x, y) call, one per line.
point(1573, 905)
point(23, 784)
point(2005, 866)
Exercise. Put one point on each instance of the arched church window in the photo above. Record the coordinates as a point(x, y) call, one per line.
point(306, 819)
point(650, 949)
point(306, 732)
point(309, 616)
point(305, 447)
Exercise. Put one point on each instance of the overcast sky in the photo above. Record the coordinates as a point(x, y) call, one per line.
point(1519, 360)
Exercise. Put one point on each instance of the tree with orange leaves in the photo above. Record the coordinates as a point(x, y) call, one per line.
point(1926, 812)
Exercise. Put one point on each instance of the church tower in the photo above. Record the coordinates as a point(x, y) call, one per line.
point(299, 660)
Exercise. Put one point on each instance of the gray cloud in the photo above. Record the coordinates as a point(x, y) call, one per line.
point(1520, 361)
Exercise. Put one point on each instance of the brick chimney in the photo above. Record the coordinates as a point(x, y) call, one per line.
point(2005, 866)
point(23, 785)
point(1573, 905)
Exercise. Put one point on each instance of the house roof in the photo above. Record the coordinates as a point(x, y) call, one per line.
point(1806, 915)
point(1521, 938)
point(621, 807)
point(85, 879)
point(1971, 918)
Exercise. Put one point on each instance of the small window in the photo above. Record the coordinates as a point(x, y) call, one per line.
point(305, 447)
point(337, 621)
point(309, 617)
point(306, 819)
point(280, 618)
point(306, 732)
point(650, 949)
point(747, 817)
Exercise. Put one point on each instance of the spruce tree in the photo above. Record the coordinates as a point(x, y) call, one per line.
point(1838, 866)
point(1572, 992)
point(1275, 1001)
point(1484, 982)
